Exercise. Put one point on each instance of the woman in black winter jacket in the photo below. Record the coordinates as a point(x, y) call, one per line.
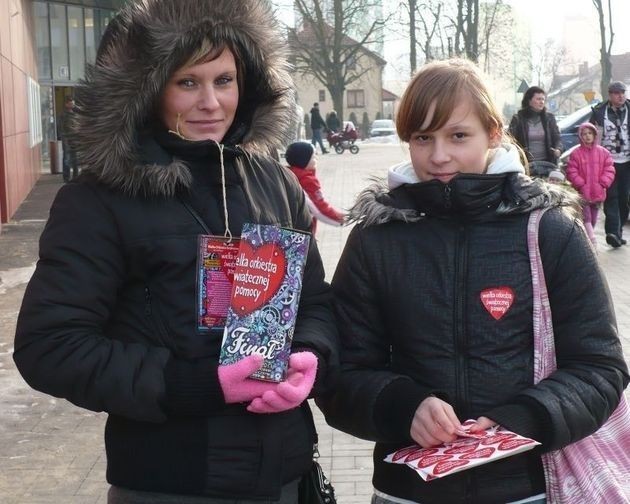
point(535, 130)
point(421, 351)
point(173, 130)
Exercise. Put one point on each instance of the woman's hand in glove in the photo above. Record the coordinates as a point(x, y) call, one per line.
point(292, 392)
point(236, 383)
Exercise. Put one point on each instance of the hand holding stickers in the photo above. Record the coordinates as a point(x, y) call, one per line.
point(468, 450)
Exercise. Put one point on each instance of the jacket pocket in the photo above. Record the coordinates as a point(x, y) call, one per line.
point(153, 312)
point(233, 469)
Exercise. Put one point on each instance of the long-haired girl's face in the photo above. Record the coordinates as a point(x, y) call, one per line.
point(461, 145)
point(199, 101)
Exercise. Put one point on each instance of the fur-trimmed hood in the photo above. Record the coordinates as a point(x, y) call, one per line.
point(143, 45)
point(504, 189)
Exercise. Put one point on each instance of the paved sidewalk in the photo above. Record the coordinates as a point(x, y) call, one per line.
point(52, 452)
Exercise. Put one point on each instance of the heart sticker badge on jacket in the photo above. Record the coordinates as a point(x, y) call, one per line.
point(497, 300)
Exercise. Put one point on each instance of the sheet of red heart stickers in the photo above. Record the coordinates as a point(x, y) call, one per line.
point(467, 451)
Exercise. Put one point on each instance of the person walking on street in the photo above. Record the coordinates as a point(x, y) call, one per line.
point(112, 319)
point(332, 122)
point(435, 297)
point(317, 124)
point(591, 171)
point(535, 130)
point(69, 154)
point(612, 119)
point(302, 160)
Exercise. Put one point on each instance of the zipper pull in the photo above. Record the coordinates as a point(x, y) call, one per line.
point(448, 203)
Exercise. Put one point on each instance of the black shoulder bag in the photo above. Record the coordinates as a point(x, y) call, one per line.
point(315, 487)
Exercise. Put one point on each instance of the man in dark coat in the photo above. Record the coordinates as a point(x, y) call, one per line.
point(317, 124)
point(612, 119)
point(69, 154)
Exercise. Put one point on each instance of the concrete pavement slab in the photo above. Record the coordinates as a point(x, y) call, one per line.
point(52, 452)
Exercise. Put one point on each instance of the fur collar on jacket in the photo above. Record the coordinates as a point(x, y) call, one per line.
point(141, 48)
point(504, 189)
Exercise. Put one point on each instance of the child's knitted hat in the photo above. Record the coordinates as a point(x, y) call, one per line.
point(556, 175)
point(299, 154)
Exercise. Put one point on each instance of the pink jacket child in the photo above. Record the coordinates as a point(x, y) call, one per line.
point(302, 162)
point(591, 171)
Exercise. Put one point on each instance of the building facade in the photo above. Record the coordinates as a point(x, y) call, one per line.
point(44, 49)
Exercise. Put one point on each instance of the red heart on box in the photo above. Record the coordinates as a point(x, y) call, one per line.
point(447, 465)
point(269, 253)
point(511, 444)
point(423, 452)
point(497, 300)
point(462, 448)
point(478, 454)
point(431, 459)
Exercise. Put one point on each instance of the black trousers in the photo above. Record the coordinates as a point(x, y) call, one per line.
point(616, 206)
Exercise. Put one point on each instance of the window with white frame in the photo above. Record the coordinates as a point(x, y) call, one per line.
point(34, 114)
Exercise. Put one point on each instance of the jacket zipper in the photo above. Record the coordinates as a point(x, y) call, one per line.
point(158, 323)
point(448, 202)
point(459, 322)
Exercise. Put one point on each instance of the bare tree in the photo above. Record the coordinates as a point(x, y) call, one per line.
point(547, 60)
point(430, 26)
point(606, 46)
point(322, 48)
point(489, 26)
point(413, 54)
point(467, 29)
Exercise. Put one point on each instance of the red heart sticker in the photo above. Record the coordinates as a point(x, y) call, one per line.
point(258, 276)
point(464, 448)
point(432, 459)
point(423, 452)
point(478, 454)
point(403, 452)
point(448, 465)
point(512, 444)
point(497, 300)
point(497, 438)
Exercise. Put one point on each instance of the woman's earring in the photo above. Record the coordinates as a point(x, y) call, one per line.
point(177, 132)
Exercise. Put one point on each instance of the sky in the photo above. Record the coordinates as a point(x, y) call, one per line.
point(546, 17)
point(547, 20)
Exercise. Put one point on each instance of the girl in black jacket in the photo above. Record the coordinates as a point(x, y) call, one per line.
point(173, 129)
point(421, 351)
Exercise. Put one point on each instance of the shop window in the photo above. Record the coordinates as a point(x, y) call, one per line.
point(90, 38)
point(59, 42)
point(76, 42)
point(42, 40)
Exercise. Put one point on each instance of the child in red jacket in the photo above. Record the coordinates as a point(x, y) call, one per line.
point(591, 171)
point(303, 162)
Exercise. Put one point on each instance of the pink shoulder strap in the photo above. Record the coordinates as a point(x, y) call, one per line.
point(544, 346)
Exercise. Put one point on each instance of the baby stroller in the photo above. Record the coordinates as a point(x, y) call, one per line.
point(343, 140)
point(541, 169)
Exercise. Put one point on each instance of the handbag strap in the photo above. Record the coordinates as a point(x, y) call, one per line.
point(544, 344)
point(306, 409)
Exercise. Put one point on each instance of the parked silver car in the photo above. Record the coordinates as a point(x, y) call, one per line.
point(382, 127)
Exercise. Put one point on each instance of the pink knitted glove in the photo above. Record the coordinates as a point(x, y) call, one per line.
point(292, 392)
point(236, 384)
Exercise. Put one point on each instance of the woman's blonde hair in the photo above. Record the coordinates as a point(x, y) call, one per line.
point(441, 84)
